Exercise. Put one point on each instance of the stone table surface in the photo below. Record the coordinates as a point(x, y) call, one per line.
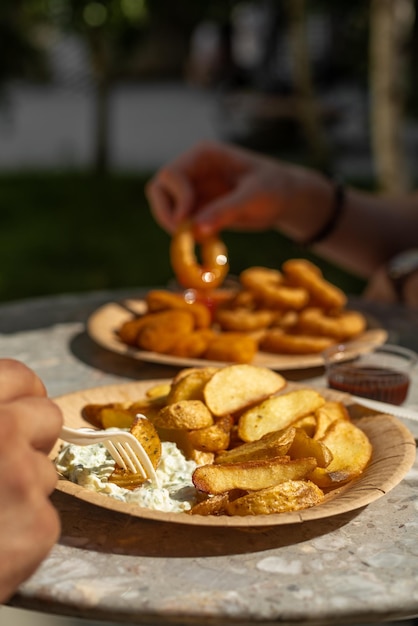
point(354, 567)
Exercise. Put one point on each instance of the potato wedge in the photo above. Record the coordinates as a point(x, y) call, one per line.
point(117, 414)
point(273, 444)
point(191, 385)
point(292, 495)
point(148, 437)
point(236, 387)
point(351, 450)
point(213, 438)
point(303, 446)
point(277, 413)
point(250, 475)
point(327, 414)
point(184, 415)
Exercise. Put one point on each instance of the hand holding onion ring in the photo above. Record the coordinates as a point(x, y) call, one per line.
point(190, 274)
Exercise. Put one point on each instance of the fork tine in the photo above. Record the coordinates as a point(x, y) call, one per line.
point(130, 458)
point(114, 452)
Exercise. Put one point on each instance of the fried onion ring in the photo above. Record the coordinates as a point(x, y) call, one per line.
point(339, 325)
point(268, 284)
point(279, 342)
point(303, 273)
point(189, 273)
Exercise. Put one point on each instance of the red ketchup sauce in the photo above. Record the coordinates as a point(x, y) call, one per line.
point(378, 383)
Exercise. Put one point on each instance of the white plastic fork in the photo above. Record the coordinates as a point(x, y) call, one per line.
point(124, 448)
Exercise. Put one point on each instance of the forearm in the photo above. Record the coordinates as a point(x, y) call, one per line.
point(370, 229)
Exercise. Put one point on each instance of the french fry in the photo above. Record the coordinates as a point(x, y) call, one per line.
point(190, 385)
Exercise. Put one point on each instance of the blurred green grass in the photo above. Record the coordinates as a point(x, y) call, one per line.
point(74, 232)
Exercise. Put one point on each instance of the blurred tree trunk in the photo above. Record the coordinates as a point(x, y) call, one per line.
point(309, 111)
point(390, 30)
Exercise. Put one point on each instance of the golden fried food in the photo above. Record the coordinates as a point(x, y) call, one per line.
point(112, 414)
point(128, 331)
point(337, 324)
point(194, 344)
point(326, 415)
point(250, 475)
point(236, 387)
point(189, 384)
point(162, 330)
point(272, 444)
point(148, 437)
point(268, 284)
point(278, 412)
point(303, 446)
point(242, 319)
point(304, 274)
point(213, 438)
point(278, 341)
point(351, 450)
point(291, 495)
point(184, 415)
point(188, 271)
point(231, 347)
point(163, 300)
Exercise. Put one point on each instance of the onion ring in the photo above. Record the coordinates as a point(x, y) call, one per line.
point(268, 285)
point(189, 273)
point(340, 325)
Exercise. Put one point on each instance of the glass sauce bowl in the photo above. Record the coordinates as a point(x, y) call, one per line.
point(370, 371)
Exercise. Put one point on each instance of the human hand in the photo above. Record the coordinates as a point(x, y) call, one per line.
point(29, 426)
point(219, 186)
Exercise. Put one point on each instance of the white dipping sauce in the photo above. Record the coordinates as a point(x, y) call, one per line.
point(91, 466)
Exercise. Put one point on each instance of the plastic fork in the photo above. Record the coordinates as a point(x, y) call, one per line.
point(124, 448)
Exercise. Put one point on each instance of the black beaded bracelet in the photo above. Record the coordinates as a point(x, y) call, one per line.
point(334, 218)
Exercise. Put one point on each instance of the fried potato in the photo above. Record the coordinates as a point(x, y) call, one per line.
point(231, 347)
point(292, 495)
point(351, 450)
point(158, 391)
point(327, 414)
point(307, 423)
point(184, 415)
point(190, 385)
point(303, 446)
point(112, 414)
point(236, 387)
point(143, 430)
point(269, 446)
point(163, 329)
point(277, 413)
point(214, 505)
point(212, 438)
point(250, 475)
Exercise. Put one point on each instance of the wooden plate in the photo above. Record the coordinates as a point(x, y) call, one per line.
point(104, 322)
point(393, 455)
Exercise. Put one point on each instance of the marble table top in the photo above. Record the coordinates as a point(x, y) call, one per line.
point(355, 567)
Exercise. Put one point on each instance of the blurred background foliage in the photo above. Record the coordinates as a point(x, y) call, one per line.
point(80, 228)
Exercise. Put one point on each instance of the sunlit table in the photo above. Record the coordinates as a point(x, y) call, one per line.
point(360, 566)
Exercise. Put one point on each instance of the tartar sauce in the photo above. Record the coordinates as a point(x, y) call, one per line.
point(91, 467)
